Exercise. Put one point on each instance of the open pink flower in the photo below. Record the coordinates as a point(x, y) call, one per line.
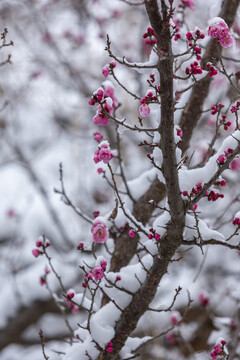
point(227, 41)
point(98, 273)
point(144, 110)
point(220, 30)
point(100, 232)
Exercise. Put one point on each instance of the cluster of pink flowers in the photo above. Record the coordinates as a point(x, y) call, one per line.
point(98, 136)
point(236, 221)
point(203, 298)
point(107, 101)
point(187, 3)
point(109, 347)
point(194, 69)
point(194, 37)
point(99, 232)
point(222, 158)
point(211, 69)
point(43, 278)
point(69, 296)
point(225, 123)
point(197, 51)
point(154, 235)
point(101, 117)
point(144, 109)
point(149, 37)
point(220, 30)
point(103, 153)
point(235, 108)
point(218, 350)
point(108, 68)
point(216, 108)
point(220, 183)
point(195, 190)
point(177, 36)
point(212, 196)
point(40, 243)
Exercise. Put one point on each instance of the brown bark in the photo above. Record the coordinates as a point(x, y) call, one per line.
point(172, 239)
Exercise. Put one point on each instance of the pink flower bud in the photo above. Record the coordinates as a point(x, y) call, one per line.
point(131, 233)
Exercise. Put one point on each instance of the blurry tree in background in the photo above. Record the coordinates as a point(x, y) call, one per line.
point(119, 174)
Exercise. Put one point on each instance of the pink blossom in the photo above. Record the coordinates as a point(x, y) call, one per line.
point(98, 273)
point(221, 31)
point(99, 170)
point(36, 252)
point(236, 221)
point(105, 72)
point(80, 246)
point(103, 264)
point(39, 243)
point(118, 278)
point(109, 349)
point(91, 102)
point(235, 164)
point(42, 281)
point(98, 136)
point(96, 213)
point(100, 119)
point(213, 31)
point(103, 153)
point(213, 355)
point(131, 233)
point(203, 298)
point(175, 318)
point(179, 133)
point(89, 276)
point(221, 159)
point(70, 295)
point(234, 109)
point(227, 41)
point(217, 349)
point(171, 337)
point(157, 236)
point(110, 92)
point(99, 232)
point(11, 213)
point(189, 3)
point(75, 309)
point(144, 110)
